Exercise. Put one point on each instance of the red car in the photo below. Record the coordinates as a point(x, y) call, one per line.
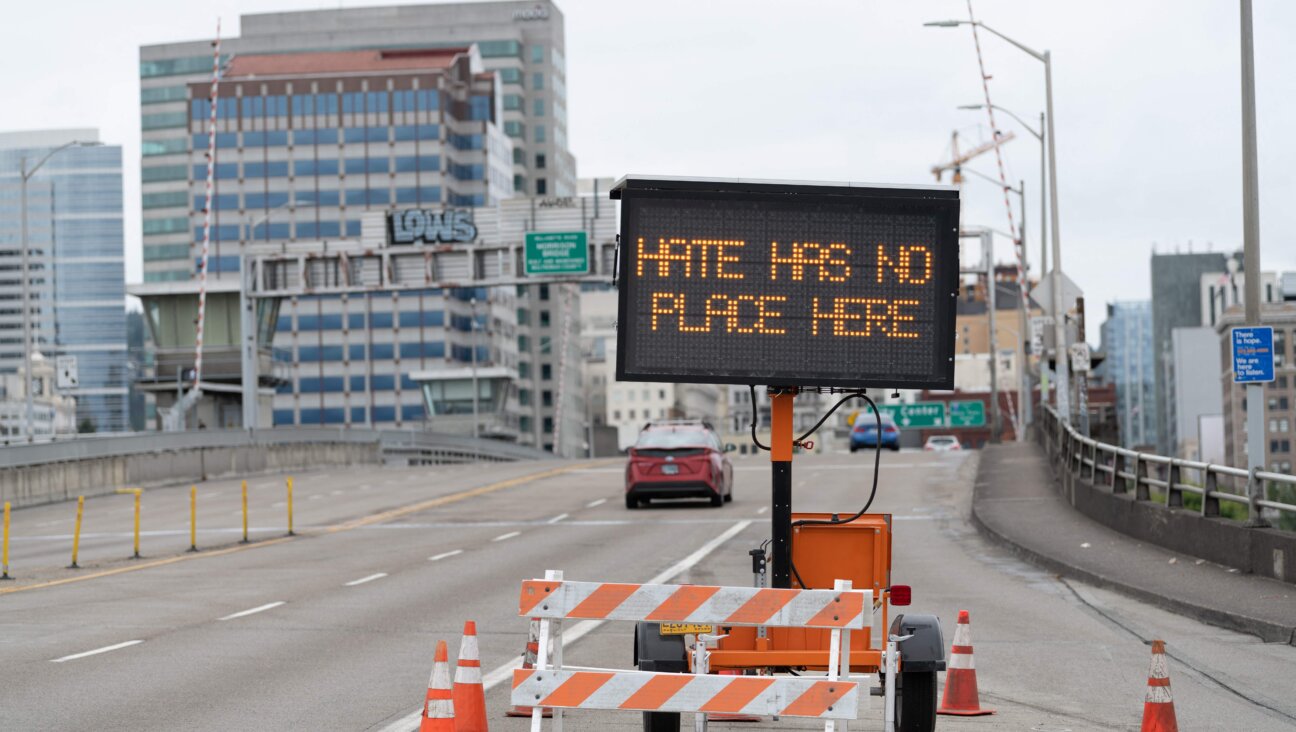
point(678, 459)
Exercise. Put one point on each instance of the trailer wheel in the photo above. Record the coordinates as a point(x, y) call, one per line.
point(917, 707)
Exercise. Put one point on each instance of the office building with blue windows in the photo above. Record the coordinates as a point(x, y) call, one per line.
point(75, 268)
point(305, 145)
point(521, 42)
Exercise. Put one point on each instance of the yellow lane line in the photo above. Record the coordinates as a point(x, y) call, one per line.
point(344, 526)
point(146, 565)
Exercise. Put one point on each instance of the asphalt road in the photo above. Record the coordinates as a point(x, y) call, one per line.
point(334, 628)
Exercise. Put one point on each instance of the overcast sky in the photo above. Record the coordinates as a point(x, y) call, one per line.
point(1147, 96)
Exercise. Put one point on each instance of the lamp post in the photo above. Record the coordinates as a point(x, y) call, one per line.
point(1039, 135)
point(26, 174)
point(1251, 263)
point(1059, 321)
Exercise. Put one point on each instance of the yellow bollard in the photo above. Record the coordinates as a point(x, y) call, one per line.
point(76, 533)
point(245, 532)
point(193, 518)
point(5, 574)
point(138, 493)
point(290, 527)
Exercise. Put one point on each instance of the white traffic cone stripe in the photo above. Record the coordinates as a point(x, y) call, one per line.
point(1159, 669)
point(440, 709)
point(468, 649)
point(962, 634)
point(1158, 695)
point(440, 676)
point(468, 675)
point(961, 661)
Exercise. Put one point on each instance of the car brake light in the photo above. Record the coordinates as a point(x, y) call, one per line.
point(901, 594)
point(929, 448)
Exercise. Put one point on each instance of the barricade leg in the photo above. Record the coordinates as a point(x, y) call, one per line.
point(549, 650)
point(838, 659)
point(889, 663)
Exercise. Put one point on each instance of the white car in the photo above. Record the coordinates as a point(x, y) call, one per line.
point(942, 443)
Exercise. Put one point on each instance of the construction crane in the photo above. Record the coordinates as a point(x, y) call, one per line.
point(956, 161)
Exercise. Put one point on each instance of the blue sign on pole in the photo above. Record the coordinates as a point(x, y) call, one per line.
point(1253, 355)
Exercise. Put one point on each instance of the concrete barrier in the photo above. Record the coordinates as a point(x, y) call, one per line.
point(51, 472)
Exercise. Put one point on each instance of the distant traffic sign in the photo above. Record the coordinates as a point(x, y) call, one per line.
point(556, 253)
point(918, 414)
point(967, 414)
point(1253, 354)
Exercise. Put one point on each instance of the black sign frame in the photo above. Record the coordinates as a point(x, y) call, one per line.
point(940, 201)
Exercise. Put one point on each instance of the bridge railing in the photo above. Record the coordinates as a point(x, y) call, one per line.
point(1123, 470)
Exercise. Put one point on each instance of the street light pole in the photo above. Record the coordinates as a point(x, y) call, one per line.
point(1059, 317)
point(25, 174)
point(1059, 320)
point(1255, 404)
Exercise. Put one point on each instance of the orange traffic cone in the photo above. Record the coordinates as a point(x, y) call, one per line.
point(960, 695)
point(1158, 707)
point(528, 662)
point(469, 697)
point(438, 710)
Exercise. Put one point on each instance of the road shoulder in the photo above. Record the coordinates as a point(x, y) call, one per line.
point(1016, 503)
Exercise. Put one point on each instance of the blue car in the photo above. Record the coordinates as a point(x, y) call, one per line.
point(865, 433)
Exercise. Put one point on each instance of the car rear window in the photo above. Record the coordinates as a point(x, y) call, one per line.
point(942, 440)
point(673, 438)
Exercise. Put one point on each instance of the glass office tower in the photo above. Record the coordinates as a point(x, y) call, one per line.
point(76, 267)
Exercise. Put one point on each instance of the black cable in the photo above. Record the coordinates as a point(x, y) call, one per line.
point(755, 439)
point(877, 465)
point(795, 573)
point(842, 401)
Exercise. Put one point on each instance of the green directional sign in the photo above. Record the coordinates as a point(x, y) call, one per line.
point(967, 414)
point(556, 253)
point(918, 414)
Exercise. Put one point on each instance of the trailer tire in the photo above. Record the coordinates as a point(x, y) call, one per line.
point(917, 704)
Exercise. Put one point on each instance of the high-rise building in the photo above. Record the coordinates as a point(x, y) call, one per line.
point(522, 42)
point(1176, 303)
point(76, 267)
point(1127, 343)
point(306, 144)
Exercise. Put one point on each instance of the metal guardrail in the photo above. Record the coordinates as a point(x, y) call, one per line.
point(415, 445)
point(1123, 469)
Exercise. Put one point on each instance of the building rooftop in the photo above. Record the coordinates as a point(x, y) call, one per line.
point(334, 62)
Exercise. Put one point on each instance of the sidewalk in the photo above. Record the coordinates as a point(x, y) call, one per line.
point(1017, 502)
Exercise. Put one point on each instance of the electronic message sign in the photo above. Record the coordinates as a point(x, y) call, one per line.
point(787, 284)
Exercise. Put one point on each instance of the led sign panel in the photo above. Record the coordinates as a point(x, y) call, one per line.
point(787, 284)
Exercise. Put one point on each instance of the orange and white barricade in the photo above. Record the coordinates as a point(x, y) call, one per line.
point(834, 698)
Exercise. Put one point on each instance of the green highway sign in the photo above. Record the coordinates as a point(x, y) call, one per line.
point(556, 253)
point(918, 414)
point(967, 414)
